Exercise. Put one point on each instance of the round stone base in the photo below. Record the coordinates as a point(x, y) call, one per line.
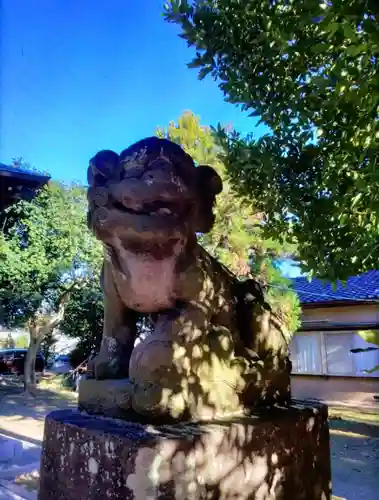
point(280, 454)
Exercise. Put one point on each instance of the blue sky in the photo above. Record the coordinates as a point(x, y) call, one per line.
point(79, 76)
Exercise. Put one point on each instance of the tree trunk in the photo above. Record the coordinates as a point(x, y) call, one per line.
point(39, 327)
point(30, 381)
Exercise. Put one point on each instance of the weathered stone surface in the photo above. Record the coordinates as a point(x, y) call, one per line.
point(216, 347)
point(198, 399)
point(109, 397)
point(283, 454)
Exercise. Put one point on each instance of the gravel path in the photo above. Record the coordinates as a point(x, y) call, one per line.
point(355, 460)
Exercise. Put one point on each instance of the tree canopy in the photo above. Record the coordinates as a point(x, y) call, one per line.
point(237, 238)
point(44, 247)
point(309, 70)
point(46, 251)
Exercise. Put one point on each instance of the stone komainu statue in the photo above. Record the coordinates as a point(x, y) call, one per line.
point(216, 347)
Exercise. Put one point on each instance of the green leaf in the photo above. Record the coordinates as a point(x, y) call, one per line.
point(372, 370)
point(197, 62)
point(349, 31)
point(204, 72)
point(355, 50)
point(356, 199)
point(320, 47)
point(333, 27)
point(369, 336)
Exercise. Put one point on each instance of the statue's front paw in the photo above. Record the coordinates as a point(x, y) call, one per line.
point(104, 366)
point(103, 369)
point(112, 360)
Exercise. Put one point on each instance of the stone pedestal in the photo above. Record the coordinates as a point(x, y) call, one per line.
point(282, 454)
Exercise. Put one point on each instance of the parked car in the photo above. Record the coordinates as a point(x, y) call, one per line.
point(61, 364)
point(13, 361)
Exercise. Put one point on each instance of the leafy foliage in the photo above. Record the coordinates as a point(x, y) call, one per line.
point(84, 319)
point(48, 344)
point(46, 251)
point(309, 70)
point(44, 247)
point(370, 336)
point(8, 342)
point(237, 238)
point(22, 341)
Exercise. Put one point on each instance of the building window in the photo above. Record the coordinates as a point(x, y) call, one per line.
point(306, 354)
point(328, 353)
point(339, 359)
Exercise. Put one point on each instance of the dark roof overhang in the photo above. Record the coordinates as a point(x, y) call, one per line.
point(17, 184)
point(337, 303)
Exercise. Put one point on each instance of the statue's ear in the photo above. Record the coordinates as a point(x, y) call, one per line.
point(209, 184)
point(207, 176)
point(103, 167)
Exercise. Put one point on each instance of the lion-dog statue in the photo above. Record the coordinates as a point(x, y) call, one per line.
point(216, 348)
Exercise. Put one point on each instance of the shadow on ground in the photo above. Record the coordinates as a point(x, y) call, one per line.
point(355, 459)
point(22, 415)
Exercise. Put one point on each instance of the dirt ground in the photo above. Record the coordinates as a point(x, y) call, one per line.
point(22, 416)
point(355, 459)
point(354, 437)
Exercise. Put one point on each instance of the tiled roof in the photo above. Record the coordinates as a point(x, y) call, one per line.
point(11, 170)
point(362, 287)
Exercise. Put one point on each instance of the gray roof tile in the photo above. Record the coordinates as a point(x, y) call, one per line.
point(362, 287)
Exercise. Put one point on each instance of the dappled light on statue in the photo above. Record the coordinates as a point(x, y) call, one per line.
point(215, 348)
